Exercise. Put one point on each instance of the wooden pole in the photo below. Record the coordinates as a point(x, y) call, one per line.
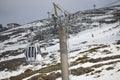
point(63, 53)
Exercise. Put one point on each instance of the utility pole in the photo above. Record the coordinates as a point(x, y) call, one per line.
point(63, 53)
point(48, 15)
point(94, 6)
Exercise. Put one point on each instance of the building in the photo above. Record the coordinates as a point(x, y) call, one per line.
point(1, 27)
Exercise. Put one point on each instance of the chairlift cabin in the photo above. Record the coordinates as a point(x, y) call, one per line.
point(32, 52)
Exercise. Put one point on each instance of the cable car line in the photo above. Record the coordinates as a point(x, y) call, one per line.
point(111, 3)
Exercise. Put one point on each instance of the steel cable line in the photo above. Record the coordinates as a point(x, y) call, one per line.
point(111, 3)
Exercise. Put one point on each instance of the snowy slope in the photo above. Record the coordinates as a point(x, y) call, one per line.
point(103, 36)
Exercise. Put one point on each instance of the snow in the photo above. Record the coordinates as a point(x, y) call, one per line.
point(104, 75)
point(4, 74)
point(108, 38)
point(31, 76)
point(12, 57)
point(117, 8)
point(53, 48)
point(32, 24)
point(13, 47)
point(74, 43)
point(3, 33)
point(98, 38)
point(7, 74)
point(88, 64)
point(102, 17)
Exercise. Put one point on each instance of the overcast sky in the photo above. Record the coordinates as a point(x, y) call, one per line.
point(25, 11)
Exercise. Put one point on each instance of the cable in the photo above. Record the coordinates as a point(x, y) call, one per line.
point(111, 3)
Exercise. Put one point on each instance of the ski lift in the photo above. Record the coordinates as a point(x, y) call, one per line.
point(32, 53)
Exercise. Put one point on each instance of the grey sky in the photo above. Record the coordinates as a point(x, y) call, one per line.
point(25, 11)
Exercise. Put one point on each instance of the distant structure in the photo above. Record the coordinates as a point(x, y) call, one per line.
point(48, 15)
point(1, 27)
point(13, 25)
point(94, 6)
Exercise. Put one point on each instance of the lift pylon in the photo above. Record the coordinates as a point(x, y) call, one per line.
point(63, 42)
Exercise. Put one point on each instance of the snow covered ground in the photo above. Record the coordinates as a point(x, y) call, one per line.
point(101, 36)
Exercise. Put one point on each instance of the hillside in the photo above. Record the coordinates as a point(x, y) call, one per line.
point(93, 48)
